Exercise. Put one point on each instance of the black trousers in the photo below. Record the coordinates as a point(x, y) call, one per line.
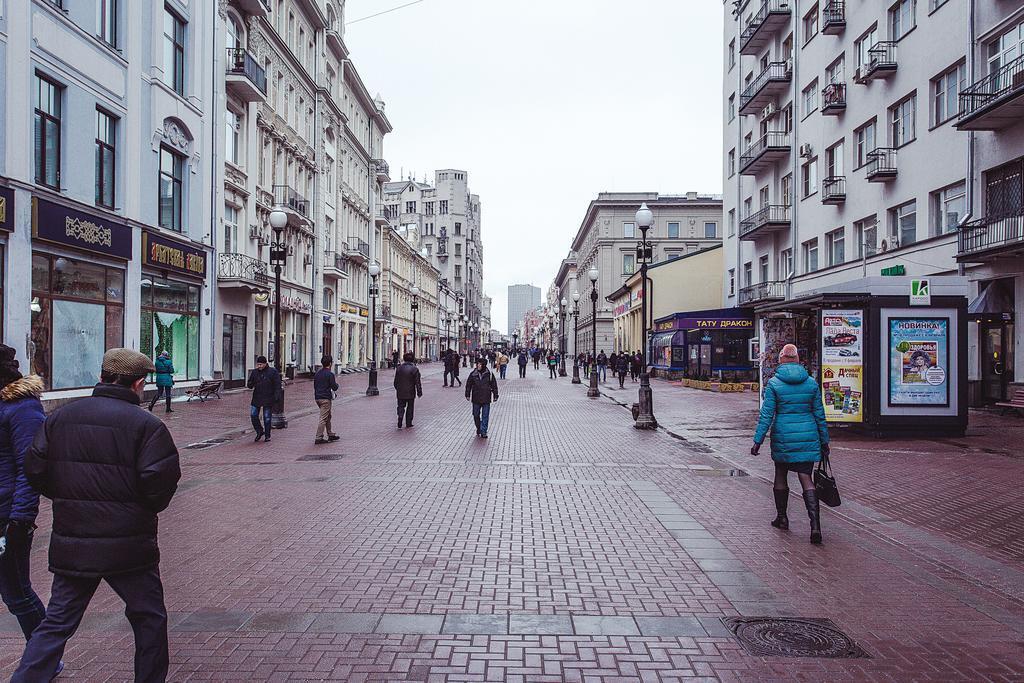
point(522, 371)
point(166, 391)
point(143, 596)
point(448, 373)
point(552, 371)
point(406, 408)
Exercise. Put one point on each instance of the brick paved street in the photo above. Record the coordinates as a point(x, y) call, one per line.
point(567, 547)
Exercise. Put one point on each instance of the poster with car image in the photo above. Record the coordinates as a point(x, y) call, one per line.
point(918, 361)
point(842, 371)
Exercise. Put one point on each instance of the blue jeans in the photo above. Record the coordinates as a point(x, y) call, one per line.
point(602, 371)
point(254, 415)
point(16, 585)
point(481, 416)
point(501, 371)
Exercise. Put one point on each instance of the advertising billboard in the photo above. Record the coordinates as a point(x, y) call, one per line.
point(842, 364)
point(918, 361)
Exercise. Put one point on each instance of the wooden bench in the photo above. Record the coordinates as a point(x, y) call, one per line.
point(206, 389)
point(1016, 403)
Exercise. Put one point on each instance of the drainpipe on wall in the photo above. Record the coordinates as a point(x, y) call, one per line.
point(961, 269)
point(794, 225)
point(215, 181)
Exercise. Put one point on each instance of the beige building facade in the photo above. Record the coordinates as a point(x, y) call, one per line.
point(406, 267)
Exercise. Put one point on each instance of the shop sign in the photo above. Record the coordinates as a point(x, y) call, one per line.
point(842, 365)
point(894, 271)
point(918, 360)
point(365, 312)
point(711, 324)
point(920, 293)
point(667, 325)
point(175, 257)
point(294, 303)
point(6, 209)
point(79, 230)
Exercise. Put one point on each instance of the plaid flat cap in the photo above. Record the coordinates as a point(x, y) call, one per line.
point(127, 362)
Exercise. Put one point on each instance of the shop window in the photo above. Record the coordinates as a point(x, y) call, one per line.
point(170, 322)
point(72, 301)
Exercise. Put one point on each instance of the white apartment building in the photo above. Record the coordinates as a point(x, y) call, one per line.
point(843, 162)
point(447, 217)
point(608, 236)
point(107, 157)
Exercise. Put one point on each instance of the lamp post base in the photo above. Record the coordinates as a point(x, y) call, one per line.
point(576, 374)
point(561, 369)
point(593, 391)
point(645, 419)
point(372, 389)
point(277, 417)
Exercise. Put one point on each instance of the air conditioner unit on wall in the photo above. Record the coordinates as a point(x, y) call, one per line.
point(890, 242)
point(806, 150)
point(769, 111)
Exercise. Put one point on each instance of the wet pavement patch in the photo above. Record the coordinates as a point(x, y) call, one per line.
point(208, 443)
point(719, 472)
point(792, 637)
point(320, 457)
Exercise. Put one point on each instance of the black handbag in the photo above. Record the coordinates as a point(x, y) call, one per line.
point(825, 483)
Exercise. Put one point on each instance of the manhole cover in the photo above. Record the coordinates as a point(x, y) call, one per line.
point(313, 457)
point(788, 637)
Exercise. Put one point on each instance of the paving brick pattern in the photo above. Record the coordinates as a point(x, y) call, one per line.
point(567, 547)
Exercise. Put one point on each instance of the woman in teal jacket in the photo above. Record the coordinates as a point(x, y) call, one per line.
point(164, 380)
point(792, 409)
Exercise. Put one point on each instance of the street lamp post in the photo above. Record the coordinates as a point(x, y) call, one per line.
point(576, 338)
point(447, 330)
point(415, 308)
point(645, 417)
point(593, 391)
point(278, 254)
point(561, 339)
point(464, 334)
point(372, 389)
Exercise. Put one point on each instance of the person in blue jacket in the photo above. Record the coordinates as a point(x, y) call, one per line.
point(792, 409)
point(164, 380)
point(21, 415)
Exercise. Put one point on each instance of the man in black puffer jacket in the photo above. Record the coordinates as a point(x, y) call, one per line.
point(109, 467)
point(408, 388)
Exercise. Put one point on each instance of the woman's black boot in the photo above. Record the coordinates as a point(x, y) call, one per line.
point(781, 521)
point(814, 513)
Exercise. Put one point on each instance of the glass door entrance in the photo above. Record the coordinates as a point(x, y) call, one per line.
point(233, 357)
point(996, 360)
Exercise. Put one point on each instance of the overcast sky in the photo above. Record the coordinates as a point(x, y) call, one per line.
point(545, 103)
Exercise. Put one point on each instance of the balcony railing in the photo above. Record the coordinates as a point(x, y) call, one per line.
point(358, 246)
point(336, 261)
point(995, 101)
point(290, 199)
point(833, 17)
point(774, 79)
point(991, 236)
point(241, 63)
point(881, 61)
point(833, 98)
point(833, 190)
point(772, 15)
point(774, 290)
point(233, 267)
point(770, 147)
point(382, 169)
point(881, 164)
point(775, 216)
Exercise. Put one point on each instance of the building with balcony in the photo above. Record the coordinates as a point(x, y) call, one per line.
point(406, 265)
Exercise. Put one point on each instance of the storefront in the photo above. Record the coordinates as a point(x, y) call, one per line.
point(704, 344)
point(296, 308)
point(78, 293)
point(6, 226)
point(992, 314)
point(173, 273)
point(890, 361)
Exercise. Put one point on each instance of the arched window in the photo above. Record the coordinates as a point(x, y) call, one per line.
point(235, 33)
point(328, 299)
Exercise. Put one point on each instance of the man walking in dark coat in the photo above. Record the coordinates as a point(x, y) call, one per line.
point(407, 388)
point(523, 360)
point(622, 367)
point(109, 468)
point(446, 357)
point(480, 388)
point(324, 386)
point(265, 383)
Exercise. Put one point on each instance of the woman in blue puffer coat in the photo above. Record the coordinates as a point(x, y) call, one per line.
point(164, 380)
point(792, 409)
point(21, 415)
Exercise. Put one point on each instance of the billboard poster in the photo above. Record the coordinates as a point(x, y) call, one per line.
point(918, 361)
point(842, 364)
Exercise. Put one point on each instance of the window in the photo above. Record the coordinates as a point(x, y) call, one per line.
point(935, 4)
point(232, 126)
point(410, 207)
point(903, 224)
point(948, 205)
point(864, 138)
point(732, 106)
point(170, 199)
point(901, 18)
point(627, 263)
point(787, 119)
point(174, 52)
point(629, 229)
point(458, 249)
point(106, 21)
point(105, 159)
point(835, 244)
point(787, 189)
point(747, 207)
point(170, 322)
point(809, 177)
point(1004, 49)
point(810, 254)
point(732, 162)
point(732, 282)
point(443, 207)
point(834, 160)
point(762, 269)
point(1004, 190)
point(68, 296)
point(230, 230)
point(946, 88)
point(811, 24)
point(673, 229)
point(865, 233)
point(732, 53)
point(865, 43)
point(785, 264)
point(836, 71)
point(810, 98)
point(458, 228)
point(458, 272)
point(47, 132)
point(763, 197)
point(748, 274)
point(710, 230)
point(732, 222)
point(901, 121)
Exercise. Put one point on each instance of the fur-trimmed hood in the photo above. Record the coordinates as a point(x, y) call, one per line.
point(26, 387)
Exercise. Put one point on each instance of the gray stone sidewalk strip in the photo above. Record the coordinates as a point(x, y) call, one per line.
point(605, 626)
point(540, 624)
point(476, 624)
point(213, 621)
point(355, 622)
point(415, 624)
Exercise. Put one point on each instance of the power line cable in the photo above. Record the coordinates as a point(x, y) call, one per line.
point(387, 11)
